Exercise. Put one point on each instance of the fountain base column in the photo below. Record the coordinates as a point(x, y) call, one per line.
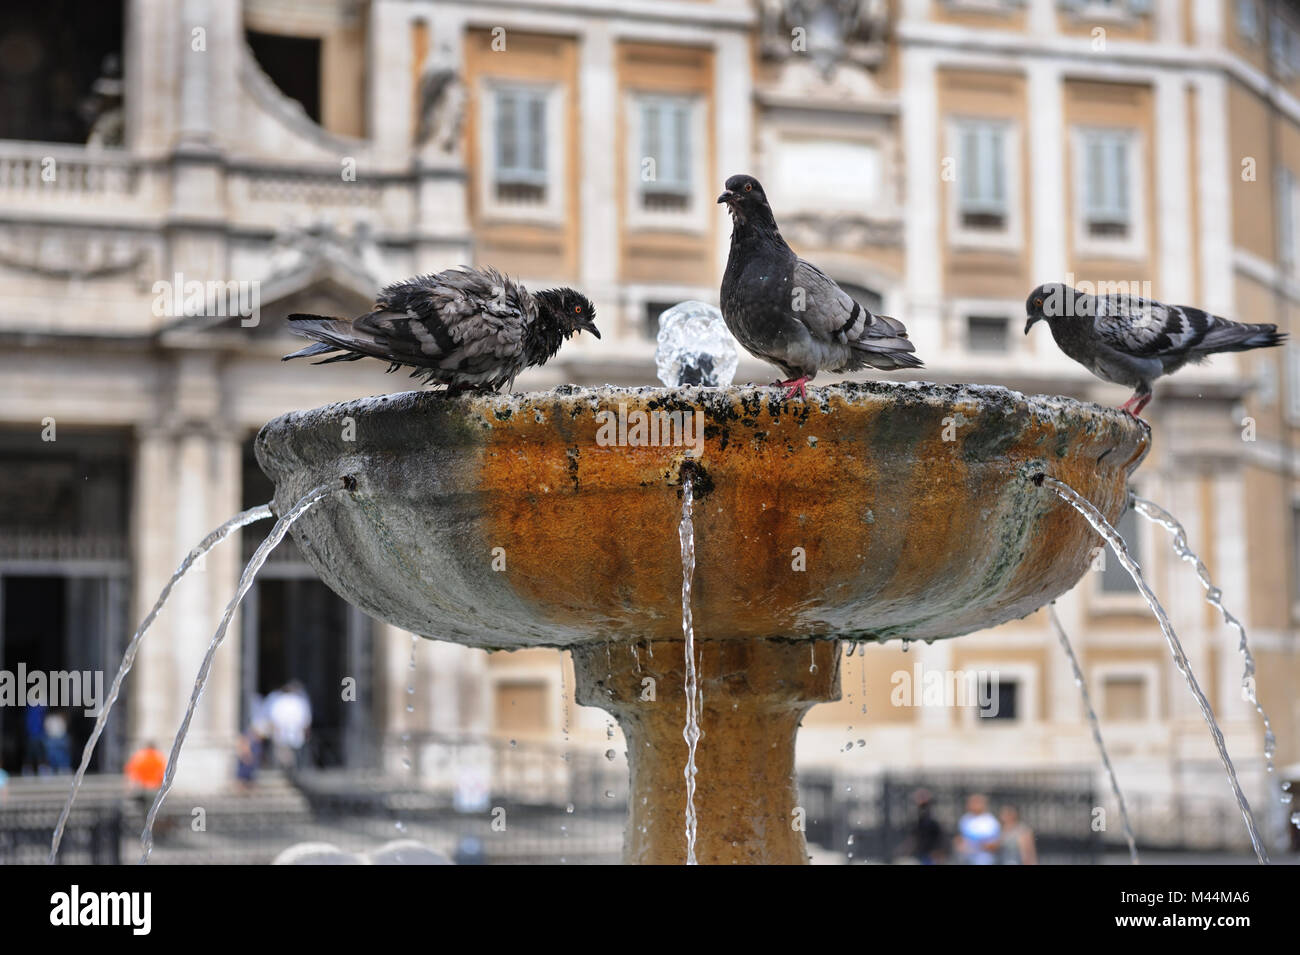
point(756, 693)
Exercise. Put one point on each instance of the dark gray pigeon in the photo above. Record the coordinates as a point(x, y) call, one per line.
point(791, 313)
point(1133, 341)
point(463, 328)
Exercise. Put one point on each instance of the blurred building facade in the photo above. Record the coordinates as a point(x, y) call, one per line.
point(938, 157)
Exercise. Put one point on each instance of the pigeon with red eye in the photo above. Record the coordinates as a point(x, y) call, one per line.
point(787, 311)
point(1133, 341)
point(466, 328)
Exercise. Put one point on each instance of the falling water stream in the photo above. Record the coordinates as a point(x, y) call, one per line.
point(128, 658)
point(245, 581)
point(1214, 597)
point(691, 733)
point(1116, 542)
point(1095, 724)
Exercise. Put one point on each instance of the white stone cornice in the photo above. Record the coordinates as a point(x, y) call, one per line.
point(1122, 59)
point(711, 16)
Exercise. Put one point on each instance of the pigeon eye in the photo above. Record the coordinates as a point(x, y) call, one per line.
point(749, 186)
point(577, 309)
point(1038, 303)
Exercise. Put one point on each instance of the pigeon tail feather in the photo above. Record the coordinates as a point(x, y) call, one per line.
point(1237, 336)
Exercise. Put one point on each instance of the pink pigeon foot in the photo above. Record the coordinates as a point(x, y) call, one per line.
point(795, 386)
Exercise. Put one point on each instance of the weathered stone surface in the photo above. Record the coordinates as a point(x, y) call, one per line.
point(911, 505)
point(755, 693)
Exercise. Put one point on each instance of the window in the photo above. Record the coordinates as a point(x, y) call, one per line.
point(524, 157)
point(1285, 48)
point(1288, 206)
point(1124, 698)
point(982, 177)
point(986, 333)
point(1248, 20)
point(1108, 204)
point(1107, 8)
point(1106, 185)
point(998, 698)
point(519, 173)
point(522, 706)
point(666, 148)
point(666, 162)
point(1115, 580)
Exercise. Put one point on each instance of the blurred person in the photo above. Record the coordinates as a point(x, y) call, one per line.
point(289, 713)
point(977, 833)
point(248, 756)
point(33, 739)
point(145, 770)
point(926, 841)
point(58, 748)
point(1016, 845)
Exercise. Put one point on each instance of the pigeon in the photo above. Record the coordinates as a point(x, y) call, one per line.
point(787, 311)
point(1133, 341)
point(465, 328)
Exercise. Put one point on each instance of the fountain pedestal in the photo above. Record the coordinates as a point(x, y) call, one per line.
point(755, 692)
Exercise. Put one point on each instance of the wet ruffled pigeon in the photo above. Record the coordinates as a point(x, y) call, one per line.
point(1133, 341)
point(464, 328)
point(789, 312)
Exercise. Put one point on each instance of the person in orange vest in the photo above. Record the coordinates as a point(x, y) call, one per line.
point(144, 770)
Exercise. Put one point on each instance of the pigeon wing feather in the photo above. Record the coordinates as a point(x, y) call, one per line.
point(1148, 329)
point(832, 315)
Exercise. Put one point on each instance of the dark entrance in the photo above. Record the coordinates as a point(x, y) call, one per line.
point(64, 580)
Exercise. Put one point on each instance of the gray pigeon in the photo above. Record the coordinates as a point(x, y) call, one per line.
point(1133, 341)
point(464, 328)
point(791, 313)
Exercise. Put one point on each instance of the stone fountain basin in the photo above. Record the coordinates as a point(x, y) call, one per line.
point(873, 511)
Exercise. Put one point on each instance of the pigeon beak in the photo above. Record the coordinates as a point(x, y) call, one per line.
point(1030, 323)
point(726, 197)
point(589, 327)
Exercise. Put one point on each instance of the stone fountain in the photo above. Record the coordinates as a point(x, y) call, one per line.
point(872, 512)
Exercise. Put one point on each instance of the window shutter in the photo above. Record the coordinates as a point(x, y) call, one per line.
point(666, 138)
point(1286, 213)
point(983, 169)
point(507, 143)
point(1106, 177)
point(681, 145)
point(1248, 19)
point(536, 138)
